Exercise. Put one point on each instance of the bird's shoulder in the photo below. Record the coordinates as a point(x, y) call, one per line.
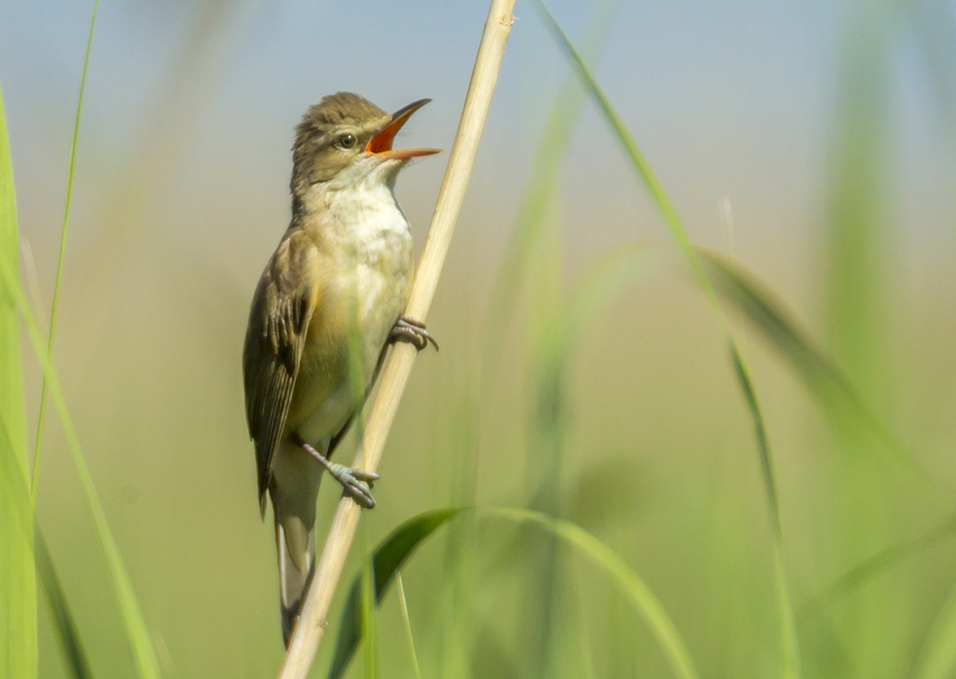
point(286, 295)
point(292, 267)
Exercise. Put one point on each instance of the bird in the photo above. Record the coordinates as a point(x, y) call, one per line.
point(327, 307)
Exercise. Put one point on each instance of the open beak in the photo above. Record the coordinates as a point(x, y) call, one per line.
point(381, 144)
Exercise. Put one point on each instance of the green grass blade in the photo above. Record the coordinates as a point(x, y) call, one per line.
point(858, 251)
point(790, 645)
point(369, 614)
point(768, 313)
point(545, 449)
point(369, 624)
point(18, 605)
point(812, 365)
point(532, 265)
point(634, 587)
point(539, 194)
point(66, 626)
point(825, 381)
point(135, 623)
point(395, 549)
point(598, 283)
point(938, 656)
point(584, 638)
point(746, 386)
point(529, 224)
point(627, 143)
point(408, 627)
point(791, 652)
point(389, 556)
point(877, 564)
point(62, 256)
point(492, 657)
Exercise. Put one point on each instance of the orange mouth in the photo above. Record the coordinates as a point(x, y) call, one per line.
point(381, 144)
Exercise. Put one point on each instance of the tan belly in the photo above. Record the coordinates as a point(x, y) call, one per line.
point(328, 389)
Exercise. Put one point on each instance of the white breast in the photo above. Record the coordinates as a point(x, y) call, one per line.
point(376, 243)
point(372, 240)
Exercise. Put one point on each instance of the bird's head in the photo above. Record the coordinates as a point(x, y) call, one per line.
point(344, 138)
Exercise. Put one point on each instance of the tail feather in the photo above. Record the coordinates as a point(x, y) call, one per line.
point(296, 566)
point(293, 491)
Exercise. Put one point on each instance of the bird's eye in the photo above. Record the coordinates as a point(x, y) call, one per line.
point(347, 141)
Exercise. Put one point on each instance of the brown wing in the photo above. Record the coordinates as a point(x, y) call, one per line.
point(278, 324)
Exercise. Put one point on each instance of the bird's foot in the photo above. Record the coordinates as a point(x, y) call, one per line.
point(412, 331)
point(357, 483)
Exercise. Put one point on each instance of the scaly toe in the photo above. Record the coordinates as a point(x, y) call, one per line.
point(361, 494)
point(356, 483)
point(411, 330)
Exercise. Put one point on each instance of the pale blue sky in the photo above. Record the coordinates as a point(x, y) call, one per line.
point(731, 99)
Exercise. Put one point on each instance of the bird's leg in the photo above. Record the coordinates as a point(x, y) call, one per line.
point(412, 331)
point(356, 482)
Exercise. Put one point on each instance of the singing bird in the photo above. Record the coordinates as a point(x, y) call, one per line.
point(327, 307)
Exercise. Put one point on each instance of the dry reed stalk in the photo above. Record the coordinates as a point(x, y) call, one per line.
point(312, 620)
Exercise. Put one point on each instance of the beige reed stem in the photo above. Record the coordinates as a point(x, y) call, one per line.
point(312, 620)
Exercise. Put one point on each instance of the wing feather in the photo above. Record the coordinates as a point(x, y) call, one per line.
point(278, 326)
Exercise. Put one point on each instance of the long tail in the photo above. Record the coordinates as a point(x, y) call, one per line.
point(293, 504)
point(296, 566)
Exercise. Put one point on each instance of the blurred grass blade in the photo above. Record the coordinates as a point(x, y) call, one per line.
point(369, 614)
point(790, 655)
point(62, 256)
point(369, 624)
point(529, 224)
point(599, 283)
point(213, 29)
point(769, 314)
point(863, 273)
point(813, 366)
point(532, 264)
point(66, 627)
point(791, 652)
point(492, 657)
point(18, 604)
point(774, 321)
point(859, 268)
point(879, 563)
point(395, 549)
point(746, 386)
point(938, 656)
point(408, 627)
point(387, 559)
point(828, 385)
point(628, 145)
point(135, 624)
point(637, 591)
point(538, 194)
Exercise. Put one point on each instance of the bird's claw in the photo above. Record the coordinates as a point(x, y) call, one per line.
point(356, 482)
point(412, 331)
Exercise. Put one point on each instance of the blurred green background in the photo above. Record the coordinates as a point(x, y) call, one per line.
point(813, 142)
